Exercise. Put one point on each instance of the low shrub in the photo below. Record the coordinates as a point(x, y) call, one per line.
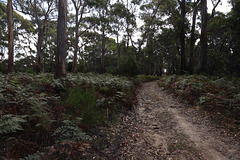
point(3, 68)
point(146, 78)
point(217, 93)
point(39, 111)
point(81, 101)
point(31, 71)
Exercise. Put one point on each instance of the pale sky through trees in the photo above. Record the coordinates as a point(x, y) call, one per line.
point(224, 7)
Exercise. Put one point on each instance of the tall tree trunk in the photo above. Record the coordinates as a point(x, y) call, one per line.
point(127, 29)
point(103, 51)
point(182, 37)
point(61, 40)
point(118, 51)
point(168, 65)
point(10, 36)
point(192, 42)
point(39, 50)
point(79, 5)
point(83, 61)
point(160, 67)
point(74, 67)
point(202, 66)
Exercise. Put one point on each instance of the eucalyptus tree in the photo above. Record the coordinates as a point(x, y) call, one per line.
point(22, 31)
point(10, 36)
point(149, 54)
point(101, 23)
point(40, 12)
point(150, 15)
point(182, 36)
point(202, 66)
point(195, 6)
point(80, 10)
point(167, 46)
point(179, 21)
point(92, 50)
point(219, 44)
point(3, 29)
point(235, 38)
point(118, 14)
point(130, 24)
point(157, 15)
point(223, 42)
point(60, 70)
point(50, 43)
point(104, 23)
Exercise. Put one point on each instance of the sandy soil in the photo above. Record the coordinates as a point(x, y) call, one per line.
point(161, 128)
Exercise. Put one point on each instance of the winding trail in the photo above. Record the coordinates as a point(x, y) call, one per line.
point(163, 129)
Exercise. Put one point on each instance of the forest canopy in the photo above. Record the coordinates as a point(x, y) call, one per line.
point(127, 37)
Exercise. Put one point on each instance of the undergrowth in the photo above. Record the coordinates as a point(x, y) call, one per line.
point(146, 78)
point(217, 94)
point(82, 101)
point(49, 118)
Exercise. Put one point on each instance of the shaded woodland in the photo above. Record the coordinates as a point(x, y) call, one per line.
point(68, 67)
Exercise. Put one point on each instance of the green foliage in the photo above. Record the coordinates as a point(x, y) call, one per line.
point(101, 80)
point(22, 27)
point(82, 100)
point(40, 112)
point(233, 23)
point(89, 99)
point(3, 68)
point(130, 68)
point(78, 96)
point(220, 93)
point(24, 63)
point(146, 78)
point(10, 123)
point(58, 84)
point(35, 156)
point(30, 70)
point(203, 99)
point(72, 133)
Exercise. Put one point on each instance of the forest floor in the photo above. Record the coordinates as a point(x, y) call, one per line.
point(161, 128)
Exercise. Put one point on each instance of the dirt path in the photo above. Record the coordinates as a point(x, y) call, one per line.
point(164, 129)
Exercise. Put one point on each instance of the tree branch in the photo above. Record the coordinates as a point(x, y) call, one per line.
point(214, 9)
